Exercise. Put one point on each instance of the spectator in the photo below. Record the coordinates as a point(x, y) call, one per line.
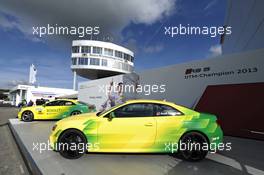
point(30, 103)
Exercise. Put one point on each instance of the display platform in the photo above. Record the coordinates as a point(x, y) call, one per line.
point(28, 135)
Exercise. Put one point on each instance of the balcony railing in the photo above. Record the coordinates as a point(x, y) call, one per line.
point(101, 63)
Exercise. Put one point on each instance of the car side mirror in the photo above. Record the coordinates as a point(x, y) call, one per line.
point(111, 116)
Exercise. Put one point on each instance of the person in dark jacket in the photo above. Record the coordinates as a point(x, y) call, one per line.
point(30, 103)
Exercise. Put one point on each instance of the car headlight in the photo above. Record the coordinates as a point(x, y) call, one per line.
point(54, 127)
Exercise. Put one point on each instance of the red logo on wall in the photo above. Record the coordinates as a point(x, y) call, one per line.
point(196, 70)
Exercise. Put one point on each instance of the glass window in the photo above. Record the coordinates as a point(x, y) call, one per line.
point(86, 49)
point(125, 66)
point(83, 61)
point(60, 103)
point(94, 61)
point(135, 110)
point(104, 62)
point(97, 50)
point(108, 52)
point(117, 65)
point(132, 59)
point(130, 68)
point(118, 54)
point(126, 56)
point(165, 110)
point(53, 103)
point(107, 110)
point(67, 103)
point(75, 49)
point(74, 61)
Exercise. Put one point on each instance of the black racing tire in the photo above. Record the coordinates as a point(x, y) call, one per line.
point(27, 116)
point(194, 154)
point(75, 113)
point(72, 144)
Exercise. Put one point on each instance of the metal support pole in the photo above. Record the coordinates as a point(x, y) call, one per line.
point(20, 95)
point(74, 80)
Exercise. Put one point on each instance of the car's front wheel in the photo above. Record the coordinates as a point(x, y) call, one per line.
point(192, 146)
point(27, 116)
point(72, 144)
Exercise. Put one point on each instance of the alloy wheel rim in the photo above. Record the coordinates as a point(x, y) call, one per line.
point(194, 154)
point(71, 139)
point(27, 116)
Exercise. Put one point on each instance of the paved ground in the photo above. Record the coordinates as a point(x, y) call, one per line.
point(7, 113)
point(246, 157)
point(11, 161)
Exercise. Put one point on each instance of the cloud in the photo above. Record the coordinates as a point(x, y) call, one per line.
point(9, 24)
point(132, 45)
point(5, 24)
point(111, 16)
point(11, 79)
point(154, 48)
point(19, 71)
point(210, 4)
point(13, 83)
point(215, 50)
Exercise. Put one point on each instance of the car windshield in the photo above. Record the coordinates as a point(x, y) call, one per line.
point(107, 110)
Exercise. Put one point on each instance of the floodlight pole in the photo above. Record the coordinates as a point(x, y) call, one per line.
point(74, 80)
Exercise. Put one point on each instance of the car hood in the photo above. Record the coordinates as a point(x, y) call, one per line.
point(80, 118)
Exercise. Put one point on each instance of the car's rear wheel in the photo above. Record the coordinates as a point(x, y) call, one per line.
point(194, 149)
point(75, 113)
point(72, 144)
point(27, 116)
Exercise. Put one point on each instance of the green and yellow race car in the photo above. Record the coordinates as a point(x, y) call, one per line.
point(53, 110)
point(138, 126)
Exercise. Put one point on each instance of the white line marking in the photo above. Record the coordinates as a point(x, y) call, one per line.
point(21, 169)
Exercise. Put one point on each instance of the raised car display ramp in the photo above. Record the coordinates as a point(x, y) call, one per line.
point(49, 162)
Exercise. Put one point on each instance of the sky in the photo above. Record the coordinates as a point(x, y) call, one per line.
point(138, 25)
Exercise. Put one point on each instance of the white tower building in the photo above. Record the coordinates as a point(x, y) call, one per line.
point(97, 59)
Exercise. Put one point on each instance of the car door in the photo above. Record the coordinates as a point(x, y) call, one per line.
point(169, 125)
point(56, 109)
point(67, 107)
point(132, 129)
point(50, 109)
